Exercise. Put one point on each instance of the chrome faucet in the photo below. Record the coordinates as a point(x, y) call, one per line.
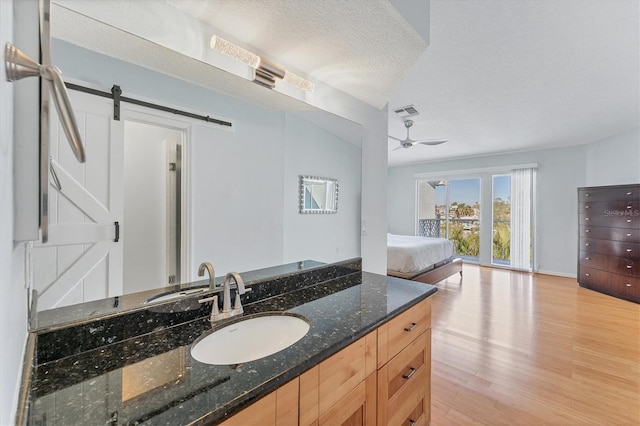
point(212, 274)
point(226, 295)
point(227, 312)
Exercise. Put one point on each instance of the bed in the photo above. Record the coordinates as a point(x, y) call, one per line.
point(423, 259)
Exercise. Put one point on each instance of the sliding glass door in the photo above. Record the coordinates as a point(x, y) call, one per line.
point(451, 209)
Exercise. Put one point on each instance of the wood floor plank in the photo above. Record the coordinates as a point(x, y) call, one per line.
point(531, 349)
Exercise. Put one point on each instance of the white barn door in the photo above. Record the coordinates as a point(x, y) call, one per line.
point(81, 261)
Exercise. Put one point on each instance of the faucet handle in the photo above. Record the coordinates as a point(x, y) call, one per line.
point(215, 312)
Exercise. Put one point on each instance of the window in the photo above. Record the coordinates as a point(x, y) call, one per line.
point(501, 220)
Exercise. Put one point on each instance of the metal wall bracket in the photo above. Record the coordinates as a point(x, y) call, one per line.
point(116, 91)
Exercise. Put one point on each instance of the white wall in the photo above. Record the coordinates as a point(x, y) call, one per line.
point(614, 160)
point(310, 150)
point(237, 193)
point(560, 172)
point(13, 312)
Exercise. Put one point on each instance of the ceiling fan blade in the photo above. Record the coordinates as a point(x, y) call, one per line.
point(431, 141)
point(394, 138)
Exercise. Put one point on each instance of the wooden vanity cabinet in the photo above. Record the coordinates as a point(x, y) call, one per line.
point(279, 408)
point(381, 379)
point(341, 389)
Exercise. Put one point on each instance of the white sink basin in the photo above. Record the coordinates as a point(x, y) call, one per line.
point(250, 339)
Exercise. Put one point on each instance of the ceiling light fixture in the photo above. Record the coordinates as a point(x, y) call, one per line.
point(266, 72)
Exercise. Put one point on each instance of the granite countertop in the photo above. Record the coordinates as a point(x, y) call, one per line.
point(152, 378)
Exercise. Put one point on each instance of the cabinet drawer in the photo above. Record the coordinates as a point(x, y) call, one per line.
point(631, 192)
point(396, 334)
point(630, 235)
point(611, 248)
point(404, 383)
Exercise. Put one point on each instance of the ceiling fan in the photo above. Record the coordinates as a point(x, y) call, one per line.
point(408, 142)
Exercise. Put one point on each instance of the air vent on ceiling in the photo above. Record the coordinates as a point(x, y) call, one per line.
point(407, 111)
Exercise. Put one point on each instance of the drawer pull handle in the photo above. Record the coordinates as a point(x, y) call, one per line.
point(587, 244)
point(629, 234)
point(589, 195)
point(586, 218)
point(629, 220)
point(413, 325)
point(629, 250)
point(588, 274)
point(629, 266)
point(628, 284)
point(587, 258)
point(629, 193)
point(628, 207)
point(588, 230)
point(587, 206)
point(410, 375)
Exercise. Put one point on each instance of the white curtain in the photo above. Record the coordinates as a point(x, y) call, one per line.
point(521, 206)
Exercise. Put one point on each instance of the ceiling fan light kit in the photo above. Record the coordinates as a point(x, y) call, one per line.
point(408, 142)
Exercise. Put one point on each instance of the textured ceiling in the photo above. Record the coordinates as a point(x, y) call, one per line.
point(362, 47)
point(108, 40)
point(503, 75)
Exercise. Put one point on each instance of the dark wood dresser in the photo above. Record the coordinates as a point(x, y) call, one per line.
point(609, 240)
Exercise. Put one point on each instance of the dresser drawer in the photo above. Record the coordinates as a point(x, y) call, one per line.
point(594, 260)
point(630, 235)
point(631, 192)
point(631, 221)
point(610, 208)
point(611, 248)
point(396, 334)
point(617, 265)
point(613, 284)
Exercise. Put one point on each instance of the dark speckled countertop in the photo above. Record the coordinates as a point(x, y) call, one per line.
point(152, 378)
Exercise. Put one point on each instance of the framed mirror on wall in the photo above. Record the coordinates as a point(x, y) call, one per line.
point(318, 195)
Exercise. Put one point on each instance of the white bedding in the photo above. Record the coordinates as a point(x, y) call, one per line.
point(407, 253)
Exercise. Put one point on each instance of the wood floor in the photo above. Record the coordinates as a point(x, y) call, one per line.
point(514, 348)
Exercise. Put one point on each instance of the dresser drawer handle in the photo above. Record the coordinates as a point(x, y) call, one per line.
point(588, 274)
point(413, 325)
point(629, 234)
point(629, 220)
point(628, 284)
point(629, 250)
point(410, 375)
point(587, 258)
point(587, 244)
point(629, 193)
point(588, 230)
point(587, 206)
point(589, 195)
point(628, 207)
point(629, 266)
point(586, 218)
